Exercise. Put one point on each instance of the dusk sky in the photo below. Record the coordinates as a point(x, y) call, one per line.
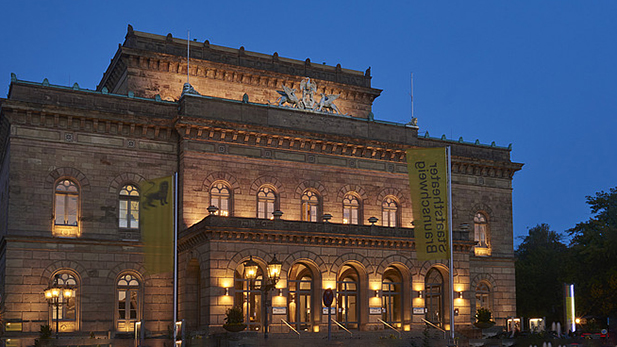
point(541, 75)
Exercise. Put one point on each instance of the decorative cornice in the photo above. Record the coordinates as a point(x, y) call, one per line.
point(243, 59)
point(159, 62)
point(263, 139)
point(233, 229)
point(396, 153)
point(73, 120)
point(483, 168)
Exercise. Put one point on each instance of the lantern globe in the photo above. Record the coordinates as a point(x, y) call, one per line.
point(250, 269)
point(274, 269)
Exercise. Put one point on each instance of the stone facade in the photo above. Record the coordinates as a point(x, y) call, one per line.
point(137, 126)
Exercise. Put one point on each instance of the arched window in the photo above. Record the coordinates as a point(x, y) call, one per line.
point(266, 202)
point(483, 296)
point(128, 302)
point(220, 196)
point(66, 311)
point(129, 207)
point(310, 206)
point(351, 209)
point(481, 235)
point(66, 209)
point(389, 212)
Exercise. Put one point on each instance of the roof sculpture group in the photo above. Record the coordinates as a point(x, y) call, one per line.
point(307, 101)
point(289, 98)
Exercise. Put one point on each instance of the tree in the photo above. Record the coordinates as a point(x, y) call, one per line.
point(539, 274)
point(593, 257)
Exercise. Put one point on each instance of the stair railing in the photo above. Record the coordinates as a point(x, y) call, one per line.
point(342, 327)
point(436, 327)
point(290, 327)
point(391, 327)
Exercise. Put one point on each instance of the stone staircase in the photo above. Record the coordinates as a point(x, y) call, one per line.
point(381, 338)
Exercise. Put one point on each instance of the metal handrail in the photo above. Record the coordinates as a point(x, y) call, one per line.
point(290, 327)
point(391, 327)
point(342, 327)
point(436, 327)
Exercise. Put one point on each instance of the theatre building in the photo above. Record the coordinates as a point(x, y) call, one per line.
point(276, 158)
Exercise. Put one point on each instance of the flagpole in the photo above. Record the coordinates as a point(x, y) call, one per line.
point(188, 54)
point(451, 262)
point(411, 78)
point(175, 308)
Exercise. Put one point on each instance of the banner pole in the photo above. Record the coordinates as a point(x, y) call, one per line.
point(451, 262)
point(175, 282)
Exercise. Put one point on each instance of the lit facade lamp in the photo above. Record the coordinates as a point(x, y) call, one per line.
point(58, 295)
point(274, 271)
point(250, 269)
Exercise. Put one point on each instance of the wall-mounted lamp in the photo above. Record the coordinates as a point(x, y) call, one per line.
point(420, 294)
point(227, 291)
point(376, 293)
point(280, 293)
point(460, 295)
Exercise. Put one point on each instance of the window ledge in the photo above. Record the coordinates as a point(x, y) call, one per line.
point(482, 251)
point(66, 231)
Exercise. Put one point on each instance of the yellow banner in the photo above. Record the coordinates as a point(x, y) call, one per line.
point(157, 224)
point(428, 180)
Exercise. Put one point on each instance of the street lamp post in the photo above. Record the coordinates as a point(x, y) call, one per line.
point(57, 295)
point(273, 274)
point(250, 273)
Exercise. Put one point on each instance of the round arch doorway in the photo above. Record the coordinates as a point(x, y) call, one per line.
point(434, 297)
point(347, 300)
point(300, 289)
point(392, 297)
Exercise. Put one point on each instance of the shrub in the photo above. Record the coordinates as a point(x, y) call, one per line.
point(234, 315)
point(45, 332)
point(483, 315)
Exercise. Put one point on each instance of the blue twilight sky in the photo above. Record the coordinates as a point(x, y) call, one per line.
point(541, 75)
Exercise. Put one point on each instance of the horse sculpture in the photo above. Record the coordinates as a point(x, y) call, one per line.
point(327, 103)
point(288, 95)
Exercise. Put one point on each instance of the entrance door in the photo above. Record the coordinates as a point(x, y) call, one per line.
point(392, 303)
point(300, 289)
point(347, 298)
point(434, 297)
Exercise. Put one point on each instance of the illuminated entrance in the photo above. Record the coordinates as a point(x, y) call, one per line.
point(347, 297)
point(392, 297)
point(434, 297)
point(300, 287)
